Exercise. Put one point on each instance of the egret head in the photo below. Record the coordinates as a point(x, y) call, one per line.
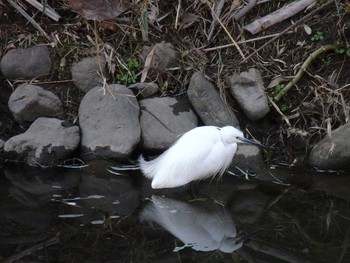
point(230, 134)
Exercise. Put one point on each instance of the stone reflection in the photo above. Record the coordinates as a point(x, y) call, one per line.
point(198, 228)
point(33, 186)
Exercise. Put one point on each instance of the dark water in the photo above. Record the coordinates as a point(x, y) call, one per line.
point(91, 215)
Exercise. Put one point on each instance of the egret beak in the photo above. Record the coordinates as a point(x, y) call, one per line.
point(252, 142)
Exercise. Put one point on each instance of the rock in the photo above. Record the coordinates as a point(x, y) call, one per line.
point(164, 56)
point(332, 153)
point(47, 140)
point(248, 158)
point(163, 120)
point(26, 63)
point(248, 89)
point(109, 124)
point(206, 101)
point(29, 102)
point(86, 73)
point(144, 89)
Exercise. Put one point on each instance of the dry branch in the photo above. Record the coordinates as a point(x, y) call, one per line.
point(288, 29)
point(245, 10)
point(277, 16)
point(47, 10)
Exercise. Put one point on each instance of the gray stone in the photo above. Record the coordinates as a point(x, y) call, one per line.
point(26, 63)
point(248, 89)
point(109, 122)
point(86, 73)
point(206, 101)
point(47, 140)
point(248, 158)
point(164, 56)
point(144, 89)
point(29, 102)
point(163, 120)
point(332, 153)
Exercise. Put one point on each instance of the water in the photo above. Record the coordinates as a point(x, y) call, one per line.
point(91, 215)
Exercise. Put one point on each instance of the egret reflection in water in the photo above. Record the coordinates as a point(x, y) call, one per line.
point(198, 228)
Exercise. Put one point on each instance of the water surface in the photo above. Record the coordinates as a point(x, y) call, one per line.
point(92, 215)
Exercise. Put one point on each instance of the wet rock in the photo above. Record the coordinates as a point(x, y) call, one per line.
point(109, 124)
point(248, 89)
point(33, 186)
point(332, 153)
point(164, 56)
point(86, 73)
point(26, 63)
point(29, 102)
point(47, 140)
point(163, 120)
point(248, 158)
point(247, 206)
point(144, 89)
point(207, 103)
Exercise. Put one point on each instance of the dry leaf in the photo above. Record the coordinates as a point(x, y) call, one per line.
point(187, 19)
point(99, 9)
point(307, 29)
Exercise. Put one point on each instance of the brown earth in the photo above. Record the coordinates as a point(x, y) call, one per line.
point(318, 101)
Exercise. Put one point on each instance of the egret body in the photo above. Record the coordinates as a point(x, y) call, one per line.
point(200, 153)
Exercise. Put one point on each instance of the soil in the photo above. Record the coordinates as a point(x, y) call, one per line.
point(318, 101)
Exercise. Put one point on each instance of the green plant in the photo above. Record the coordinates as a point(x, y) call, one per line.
point(277, 89)
point(318, 36)
point(127, 74)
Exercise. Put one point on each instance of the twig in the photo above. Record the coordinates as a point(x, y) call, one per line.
point(287, 29)
point(218, 10)
point(242, 42)
point(177, 14)
point(277, 16)
point(31, 20)
point(226, 31)
point(245, 10)
point(47, 10)
point(302, 69)
point(284, 117)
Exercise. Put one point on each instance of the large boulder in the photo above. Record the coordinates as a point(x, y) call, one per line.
point(163, 120)
point(332, 152)
point(47, 140)
point(109, 122)
point(87, 73)
point(29, 102)
point(206, 101)
point(248, 89)
point(26, 63)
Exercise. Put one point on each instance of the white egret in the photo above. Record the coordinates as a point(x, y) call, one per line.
point(199, 154)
